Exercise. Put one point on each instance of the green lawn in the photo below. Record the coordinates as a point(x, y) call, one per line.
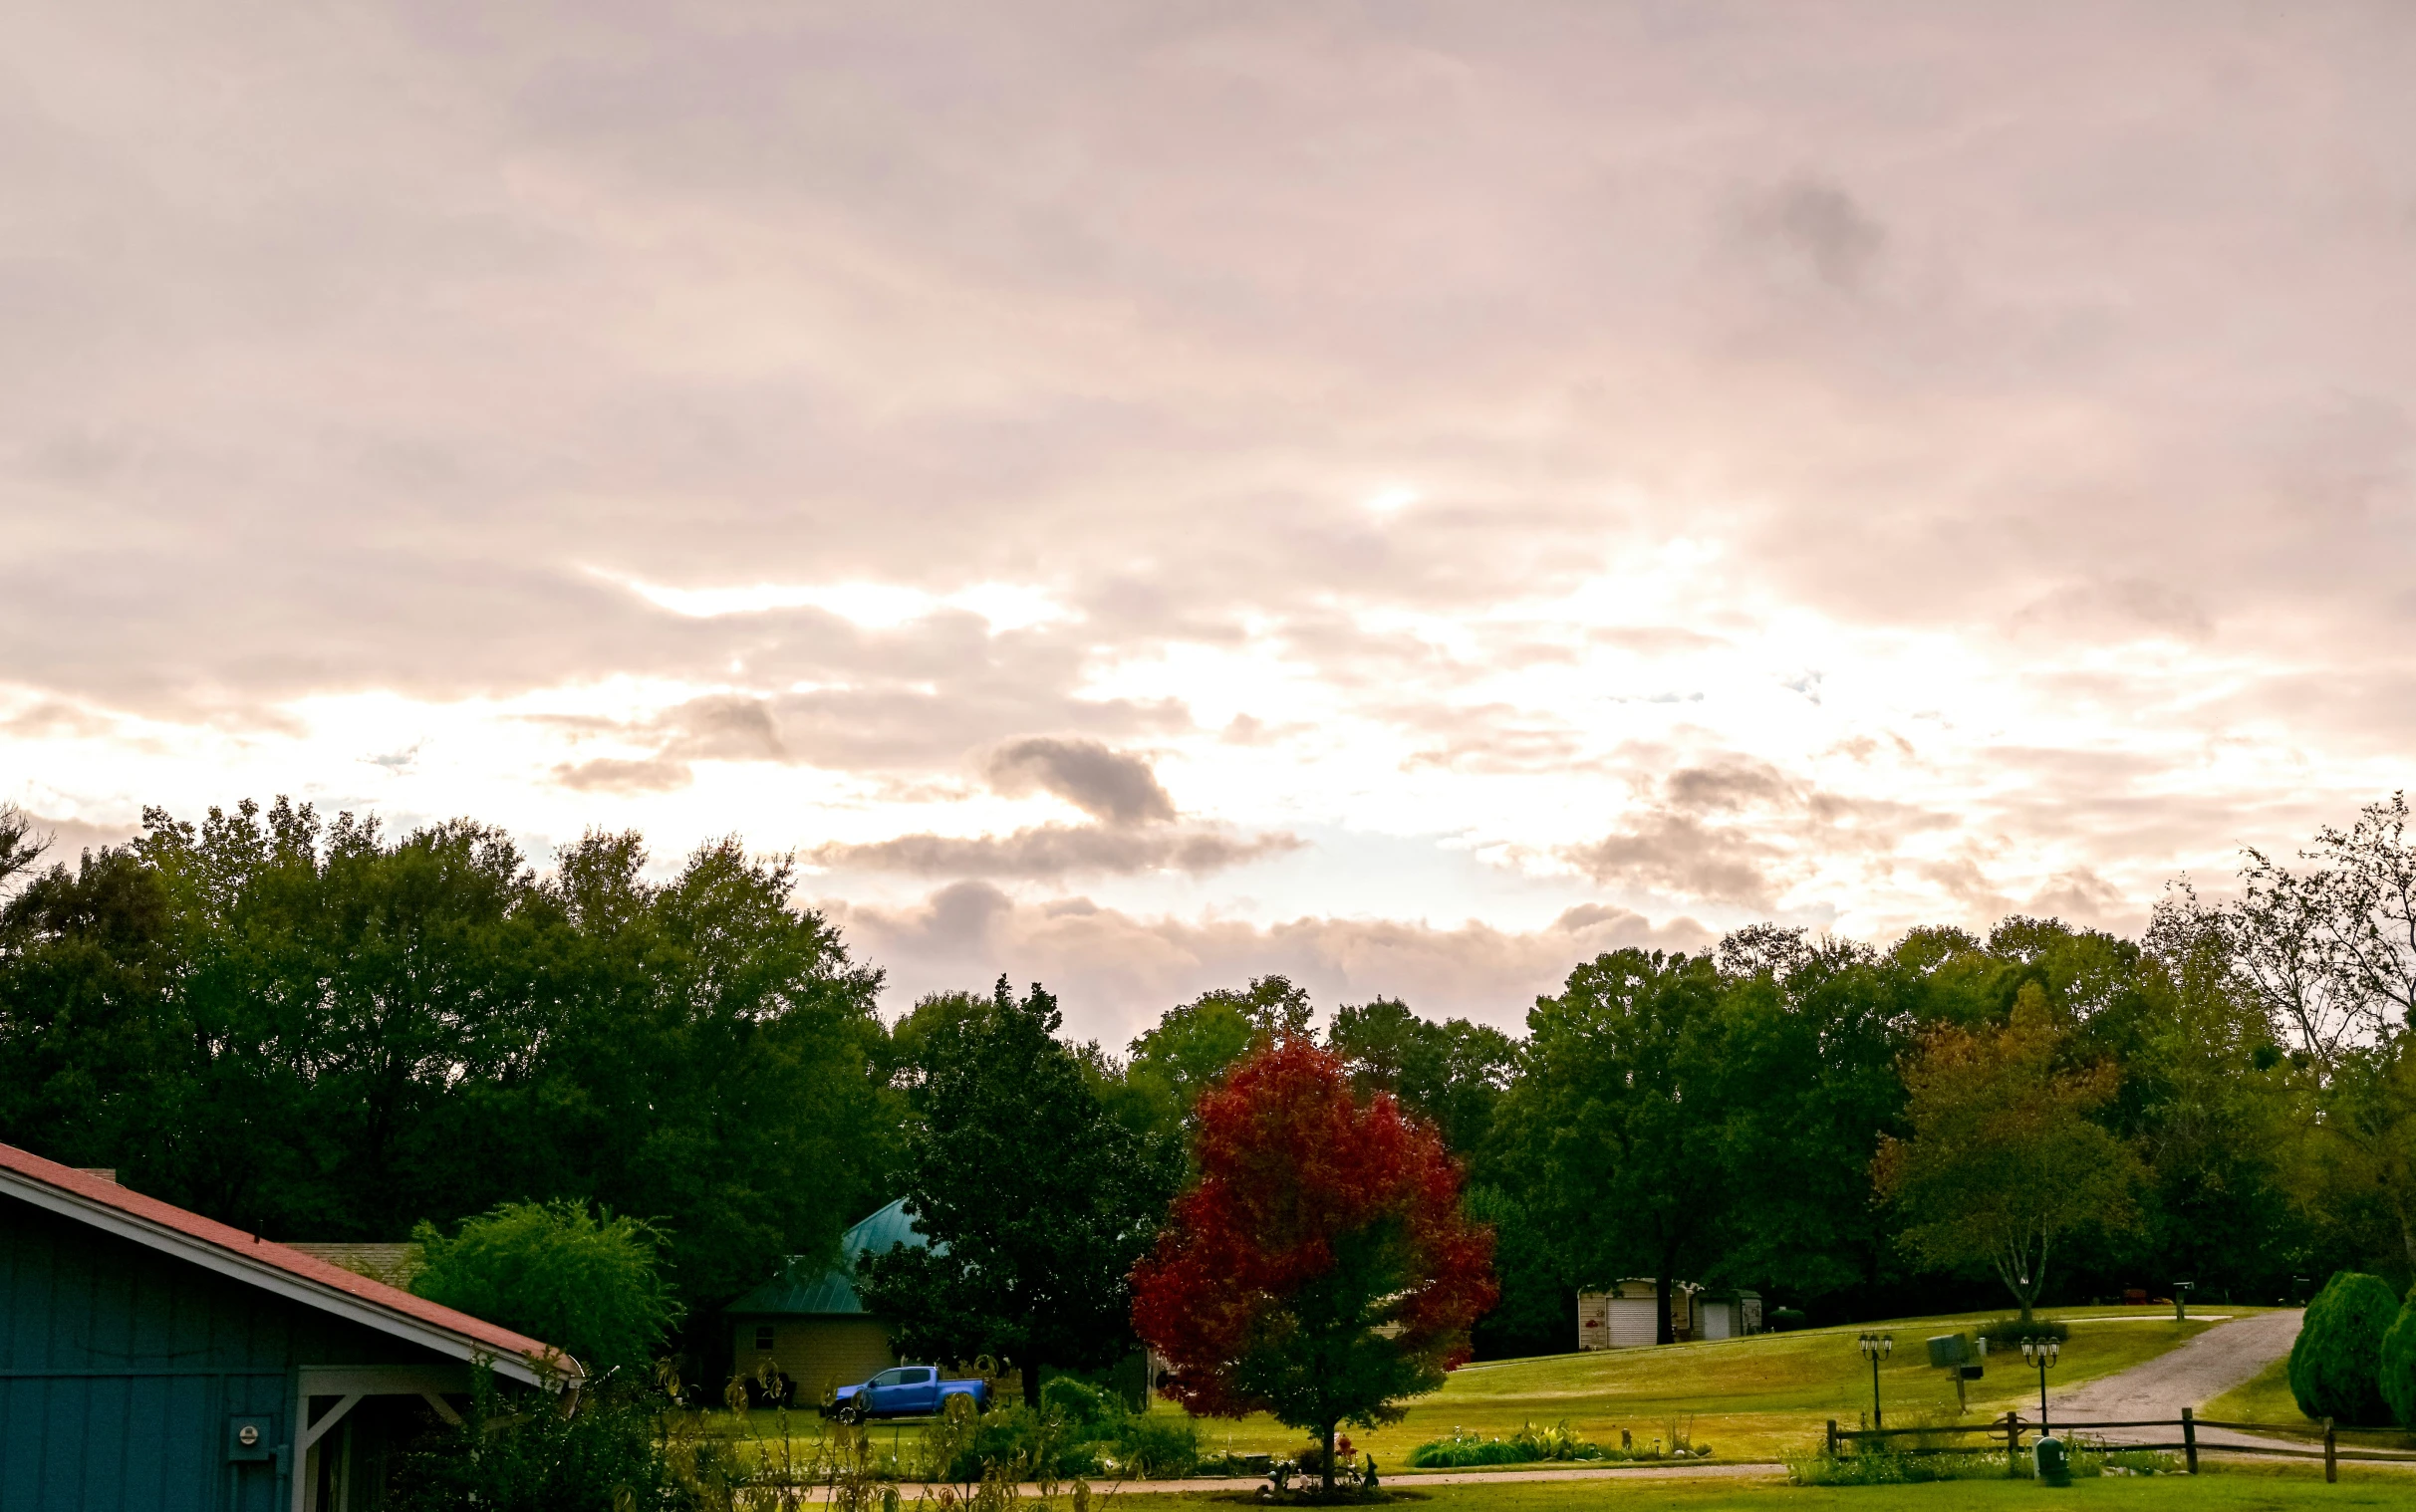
point(2223, 1490)
point(1748, 1398)
point(1752, 1398)
point(2268, 1400)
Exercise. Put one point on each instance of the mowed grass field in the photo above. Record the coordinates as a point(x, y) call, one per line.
point(1748, 1398)
point(2250, 1489)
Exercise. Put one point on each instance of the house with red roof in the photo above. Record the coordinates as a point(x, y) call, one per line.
point(151, 1359)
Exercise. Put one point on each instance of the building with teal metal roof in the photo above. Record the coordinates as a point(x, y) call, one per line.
point(809, 1324)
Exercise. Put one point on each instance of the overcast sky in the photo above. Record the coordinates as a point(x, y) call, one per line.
point(1138, 495)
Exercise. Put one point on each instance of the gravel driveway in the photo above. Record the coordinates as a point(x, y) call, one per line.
point(2191, 1376)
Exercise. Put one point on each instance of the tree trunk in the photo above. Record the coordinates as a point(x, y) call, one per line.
point(1326, 1489)
point(1030, 1370)
point(1663, 1331)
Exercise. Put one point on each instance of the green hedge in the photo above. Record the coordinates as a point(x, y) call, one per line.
point(2399, 1364)
point(2336, 1364)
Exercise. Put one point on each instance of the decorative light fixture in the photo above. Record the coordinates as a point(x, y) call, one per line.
point(2041, 1353)
point(1875, 1348)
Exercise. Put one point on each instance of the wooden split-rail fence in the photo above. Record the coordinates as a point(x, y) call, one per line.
point(2011, 1427)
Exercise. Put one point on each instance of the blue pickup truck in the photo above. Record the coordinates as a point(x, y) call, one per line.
point(907, 1390)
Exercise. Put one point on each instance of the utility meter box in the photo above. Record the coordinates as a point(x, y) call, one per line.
point(2052, 1462)
point(1949, 1351)
point(248, 1438)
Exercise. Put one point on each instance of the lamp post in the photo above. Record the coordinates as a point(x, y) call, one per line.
point(2041, 1353)
point(1875, 1348)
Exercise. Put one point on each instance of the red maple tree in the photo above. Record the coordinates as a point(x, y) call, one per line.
point(1319, 1268)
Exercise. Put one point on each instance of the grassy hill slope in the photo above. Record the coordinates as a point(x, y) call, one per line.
point(1746, 1397)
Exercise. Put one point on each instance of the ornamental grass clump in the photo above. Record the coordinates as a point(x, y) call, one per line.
point(2337, 1363)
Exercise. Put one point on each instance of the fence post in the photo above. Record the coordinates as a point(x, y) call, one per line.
point(2331, 1465)
point(1832, 1438)
point(2188, 1439)
point(2012, 1441)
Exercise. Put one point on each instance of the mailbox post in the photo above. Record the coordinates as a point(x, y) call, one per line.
point(1875, 1348)
point(2181, 1300)
point(2041, 1353)
point(1952, 1353)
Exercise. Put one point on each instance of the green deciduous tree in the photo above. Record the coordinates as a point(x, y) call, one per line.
point(1452, 1072)
point(1811, 1034)
point(2004, 1161)
point(1198, 1042)
point(318, 1031)
point(1618, 1122)
point(580, 1280)
point(1037, 1196)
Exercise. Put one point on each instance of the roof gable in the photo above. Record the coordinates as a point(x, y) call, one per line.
point(804, 1289)
point(277, 1268)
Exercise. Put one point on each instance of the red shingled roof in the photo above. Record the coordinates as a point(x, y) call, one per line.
point(244, 1251)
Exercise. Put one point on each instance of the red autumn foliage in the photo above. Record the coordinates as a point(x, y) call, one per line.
point(1306, 1195)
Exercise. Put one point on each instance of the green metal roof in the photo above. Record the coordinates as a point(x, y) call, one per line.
point(806, 1289)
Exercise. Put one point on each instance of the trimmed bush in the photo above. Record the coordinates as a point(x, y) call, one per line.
point(2012, 1332)
point(2399, 1364)
point(2337, 1363)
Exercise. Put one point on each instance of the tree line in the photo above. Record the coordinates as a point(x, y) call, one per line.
point(317, 1030)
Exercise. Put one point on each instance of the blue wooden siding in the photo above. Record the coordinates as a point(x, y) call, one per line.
point(120, 1368)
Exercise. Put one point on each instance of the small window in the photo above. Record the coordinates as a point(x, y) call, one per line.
point(926, 1376)
point(891, 1377)
point(763, 1336)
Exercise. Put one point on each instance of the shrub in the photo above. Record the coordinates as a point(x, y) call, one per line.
point(1157, 1447)
point(2399, 1364)
point(2337, 1363)
point(1526, 1446)
point(1022, 1444)
point(510, 1454)
point(1077, 1404)
point(1886, 1467)
point(2012, 1332)
point(580, 1281)
point(1781, 1320)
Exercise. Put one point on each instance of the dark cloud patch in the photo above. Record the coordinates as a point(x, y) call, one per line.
point(2124, 605)
point(1811, 226)
point(1678, 854)
point(726, 727)
point(69, 839)
point(1050, 851)
point(1739, 830)
point(1117, 971)
point(610, 774)
point(1110, 786)
point(1729, 787)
